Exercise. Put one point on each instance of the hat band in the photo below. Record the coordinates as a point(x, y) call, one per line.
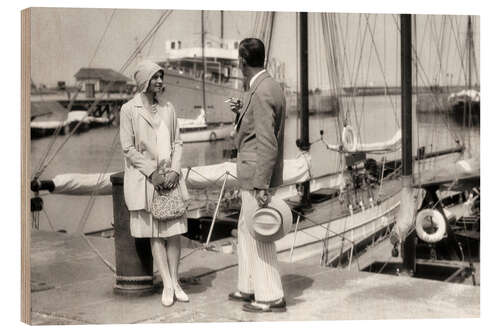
point(277, 211)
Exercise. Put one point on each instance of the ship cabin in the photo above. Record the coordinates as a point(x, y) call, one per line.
point(221, 61)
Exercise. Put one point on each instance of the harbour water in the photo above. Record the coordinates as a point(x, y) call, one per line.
point(375, 117)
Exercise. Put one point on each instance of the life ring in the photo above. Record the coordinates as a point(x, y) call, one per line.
point(426, 219)
point(212, 137)
point(349, 139)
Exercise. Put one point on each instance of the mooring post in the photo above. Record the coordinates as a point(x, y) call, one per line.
point(134, 261)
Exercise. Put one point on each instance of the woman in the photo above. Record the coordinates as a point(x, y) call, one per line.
point(149, 135)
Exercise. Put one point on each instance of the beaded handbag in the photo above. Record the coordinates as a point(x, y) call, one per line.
point(168, 204)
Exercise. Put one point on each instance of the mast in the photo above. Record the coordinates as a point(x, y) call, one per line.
point(407, 147)
point(221, 28)
point(303, 143)
point(203, 58)
point(469, 49)
point(406, 94)
point(271, 38)
point(468, 107)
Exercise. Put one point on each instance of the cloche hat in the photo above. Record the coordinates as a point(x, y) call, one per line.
point(144, 72)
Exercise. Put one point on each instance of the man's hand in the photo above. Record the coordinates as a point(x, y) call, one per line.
point(171, 180)
point(235, 105)
point(263, 197)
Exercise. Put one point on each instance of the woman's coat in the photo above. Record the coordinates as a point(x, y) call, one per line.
point(140, 148)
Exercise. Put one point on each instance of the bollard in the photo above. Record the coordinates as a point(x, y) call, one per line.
point(134, 261)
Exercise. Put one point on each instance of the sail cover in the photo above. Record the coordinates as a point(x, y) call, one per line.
point(392, 144)
point(83, 184)
point(459, 176)
point(201, 177)
point(351, 145)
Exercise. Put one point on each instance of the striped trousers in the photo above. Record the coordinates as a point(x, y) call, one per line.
point(257, 261)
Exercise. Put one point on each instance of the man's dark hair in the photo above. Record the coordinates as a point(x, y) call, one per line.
point(253, 51)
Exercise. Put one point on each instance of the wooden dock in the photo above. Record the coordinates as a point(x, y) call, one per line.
point(71, 285)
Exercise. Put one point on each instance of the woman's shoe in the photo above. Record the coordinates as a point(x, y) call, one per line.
point(167, 297)
point(180, 295)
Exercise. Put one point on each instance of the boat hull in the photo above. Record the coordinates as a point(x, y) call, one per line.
point(210, 133)
point(40, 132)
point(461, 112)
point(337, 236)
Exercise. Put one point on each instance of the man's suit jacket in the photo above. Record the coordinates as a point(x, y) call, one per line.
point(260, 133)
point(140, 149)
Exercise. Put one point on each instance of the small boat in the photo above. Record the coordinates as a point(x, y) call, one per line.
point(197, 130)
point(57, 119)
point(466, 105)
point(211, 132)
point(43, 128)
point(86, 121)
point(46, 118)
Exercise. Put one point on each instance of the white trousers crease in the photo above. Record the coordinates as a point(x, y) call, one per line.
point(257, 261)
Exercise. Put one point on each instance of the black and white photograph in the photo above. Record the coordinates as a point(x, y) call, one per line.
point(212, 165)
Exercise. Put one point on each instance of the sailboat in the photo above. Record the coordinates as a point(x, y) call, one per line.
point(428, 223)
point(340, 230)
point(466, 104)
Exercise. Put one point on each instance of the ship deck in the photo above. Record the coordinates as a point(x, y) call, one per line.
point(71, 285)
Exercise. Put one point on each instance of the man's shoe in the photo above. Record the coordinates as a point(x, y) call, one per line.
point(278, 306)
point(238, 296)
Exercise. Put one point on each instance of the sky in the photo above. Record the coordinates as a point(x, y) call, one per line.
point(66, 39)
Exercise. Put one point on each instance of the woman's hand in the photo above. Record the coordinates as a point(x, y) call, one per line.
point(156, 178)
point(171, 179)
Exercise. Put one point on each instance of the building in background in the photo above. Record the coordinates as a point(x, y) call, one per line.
point(102, 80)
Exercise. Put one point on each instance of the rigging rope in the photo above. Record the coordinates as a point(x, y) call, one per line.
point(297, 89)
point(48, 220)
point(91, 201)
point(145, 40)
point(382, 66)
point(270, 39)
point(426, 79)
point(419, 165)
point(327, 229)
point(317, 93)
point(134, 54)
point(332, 64)
point(44, 164)
point(359, 121)
point(58, 129)
point(102, 37)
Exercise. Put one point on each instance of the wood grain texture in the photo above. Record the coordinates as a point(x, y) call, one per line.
point(25, 165)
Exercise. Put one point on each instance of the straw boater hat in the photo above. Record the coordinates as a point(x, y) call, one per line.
point(270, 223)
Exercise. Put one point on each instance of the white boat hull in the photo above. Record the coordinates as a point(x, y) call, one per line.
point(206, 134)
point(341, 233)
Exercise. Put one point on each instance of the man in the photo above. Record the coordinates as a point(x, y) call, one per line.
point(259, 139)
